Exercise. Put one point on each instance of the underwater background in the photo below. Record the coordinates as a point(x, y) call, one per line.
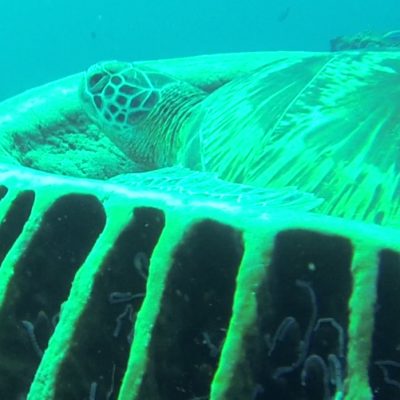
point(42, 40)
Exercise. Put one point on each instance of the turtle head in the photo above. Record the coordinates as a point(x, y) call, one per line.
point(120, 96)
point(141, 110)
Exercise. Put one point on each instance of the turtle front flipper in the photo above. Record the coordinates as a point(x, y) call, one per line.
point(140, 109)
point(199, 188)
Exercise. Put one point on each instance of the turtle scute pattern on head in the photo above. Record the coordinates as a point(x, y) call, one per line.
point(140, 109)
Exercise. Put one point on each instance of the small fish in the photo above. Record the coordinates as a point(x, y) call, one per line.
point(284, 14)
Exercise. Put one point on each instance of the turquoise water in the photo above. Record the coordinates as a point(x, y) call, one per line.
point(42, 40)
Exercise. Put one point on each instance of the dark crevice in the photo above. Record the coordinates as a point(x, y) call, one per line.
point(195, 314)
point(3, 191)
point(40, 284)
point(14, 221)
point(104, 333)
point(300, 349)
point(384, 370)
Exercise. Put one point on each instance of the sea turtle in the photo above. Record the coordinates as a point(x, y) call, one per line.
point(328, 125)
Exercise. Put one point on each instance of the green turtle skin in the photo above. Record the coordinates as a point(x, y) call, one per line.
point(140, 109)
point(329, 125)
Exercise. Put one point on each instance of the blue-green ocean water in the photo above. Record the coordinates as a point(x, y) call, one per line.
point(41, 40)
